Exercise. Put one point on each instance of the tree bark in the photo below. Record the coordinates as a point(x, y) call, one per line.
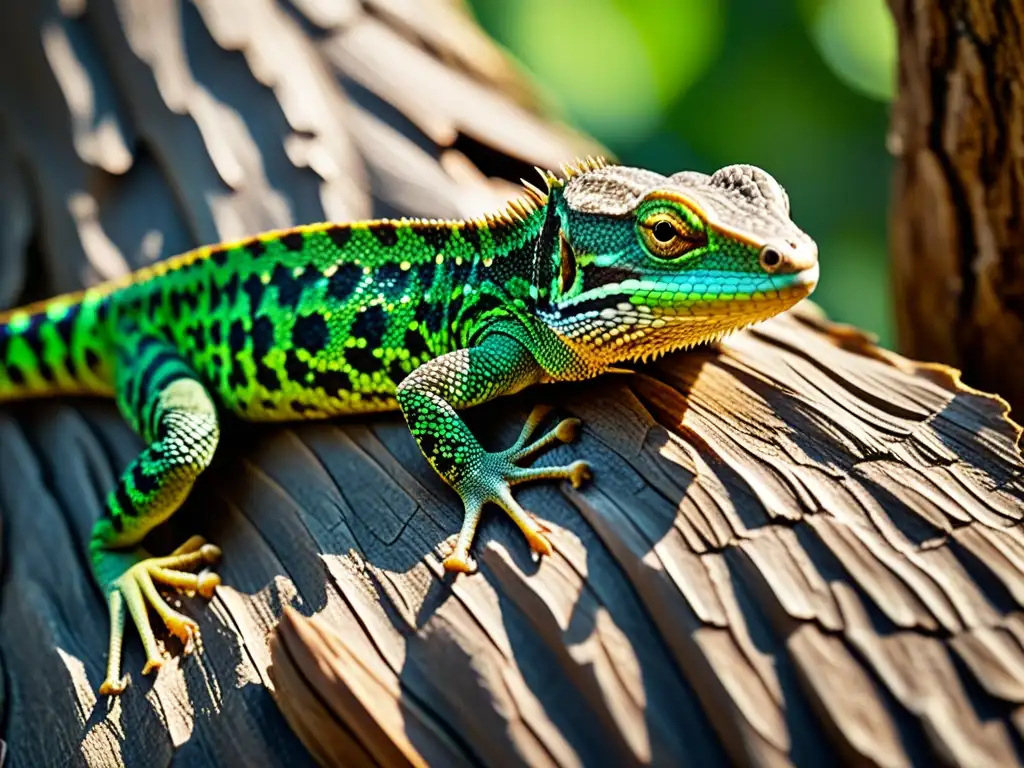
point(796, 549)
point(957, 228)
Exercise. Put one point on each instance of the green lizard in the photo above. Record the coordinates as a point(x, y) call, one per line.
point(608, 265)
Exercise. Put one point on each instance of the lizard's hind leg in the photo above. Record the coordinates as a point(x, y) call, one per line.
point(165, 402)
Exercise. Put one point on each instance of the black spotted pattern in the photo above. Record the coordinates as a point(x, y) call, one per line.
point(267, 377)
point(45, 370)
point(253, 288)
point(237, 337)
point(194, 338)
point(340, 236)
point(371, 324)
point(216, 332)
point(262, 342)
point(124, 503)
point(295, 369)
point(142, 482)
point(236, 342)
point(310, 333)
point(92, 360)
point(386, 235)
point(231, 287)
point(389, 275)
point(396, 371)
point(32, 334)
point(67, 324)
point(362, 359)
point(291, 287)
point(216, 294)
point(416, 343)
point(293, 241)
point(33, 337)
point(262, 337)
point(344, 281)
point(431, 315)
point(331, 381)
point(435, 237)
point(471, 236)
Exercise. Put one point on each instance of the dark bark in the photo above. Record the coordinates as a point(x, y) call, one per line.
point(958, 210)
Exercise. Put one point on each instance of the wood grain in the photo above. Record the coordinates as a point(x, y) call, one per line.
point(797, 548)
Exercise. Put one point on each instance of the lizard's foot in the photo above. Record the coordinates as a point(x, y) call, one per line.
point(132, 583)
point(494, 476)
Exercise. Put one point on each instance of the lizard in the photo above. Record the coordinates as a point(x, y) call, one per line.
point(607, 266)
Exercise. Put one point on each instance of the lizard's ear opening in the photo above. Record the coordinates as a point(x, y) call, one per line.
point(567, 265)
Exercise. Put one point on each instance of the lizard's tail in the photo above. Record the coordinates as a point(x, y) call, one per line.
point(56, 347)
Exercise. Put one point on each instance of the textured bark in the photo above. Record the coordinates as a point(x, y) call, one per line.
point(957, 231)
point(796, 548)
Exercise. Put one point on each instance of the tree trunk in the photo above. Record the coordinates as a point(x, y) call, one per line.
point(796, 548)
point(958, 212)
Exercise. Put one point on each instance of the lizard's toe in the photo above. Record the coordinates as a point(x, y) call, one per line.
point(459, 562)
point(130, 582)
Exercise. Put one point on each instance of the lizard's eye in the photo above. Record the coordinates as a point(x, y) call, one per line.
point(668, 236)
point(663, 232)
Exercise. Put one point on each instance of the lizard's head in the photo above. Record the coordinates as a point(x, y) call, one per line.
point(645, 264)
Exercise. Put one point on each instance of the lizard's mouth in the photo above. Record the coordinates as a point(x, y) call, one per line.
point(771, 295)
point(806, 279)
point(630, 330)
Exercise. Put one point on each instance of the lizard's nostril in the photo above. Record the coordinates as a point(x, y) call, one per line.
point(770, 258)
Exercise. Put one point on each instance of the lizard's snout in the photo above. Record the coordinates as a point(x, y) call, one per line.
point(788, 258)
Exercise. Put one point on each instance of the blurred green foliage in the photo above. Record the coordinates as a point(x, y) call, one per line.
point(799, 87)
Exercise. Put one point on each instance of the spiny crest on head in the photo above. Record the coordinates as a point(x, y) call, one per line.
point(534, 198)
point(577, 168)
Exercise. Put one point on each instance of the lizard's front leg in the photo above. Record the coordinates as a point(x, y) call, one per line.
point(429, 398)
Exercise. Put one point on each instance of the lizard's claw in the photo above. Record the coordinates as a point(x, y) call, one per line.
point(134, 586)
point(496, 473)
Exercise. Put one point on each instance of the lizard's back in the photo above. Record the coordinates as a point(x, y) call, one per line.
point(308, 322)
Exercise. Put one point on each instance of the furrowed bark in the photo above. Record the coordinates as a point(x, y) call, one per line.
point(957, 227)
